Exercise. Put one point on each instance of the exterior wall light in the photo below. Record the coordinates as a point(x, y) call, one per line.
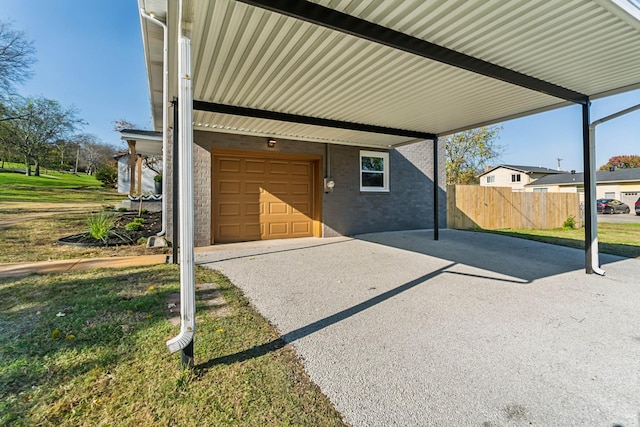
point(271, 143)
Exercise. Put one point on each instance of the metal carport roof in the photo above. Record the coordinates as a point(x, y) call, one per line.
point(247, 54)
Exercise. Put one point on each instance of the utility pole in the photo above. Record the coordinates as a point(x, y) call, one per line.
point(77, 157)
point(559, 160)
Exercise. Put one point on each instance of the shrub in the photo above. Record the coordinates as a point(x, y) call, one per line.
point(133, 226)
point(569, 223)
point(100, 225)
point(108, 175)
point(157, 178)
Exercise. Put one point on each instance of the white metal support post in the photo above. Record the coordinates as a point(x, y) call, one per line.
point(591, 232)
point(184, 341)
point(592, 264)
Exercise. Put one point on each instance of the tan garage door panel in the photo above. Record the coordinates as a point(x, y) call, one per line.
point(258, 199)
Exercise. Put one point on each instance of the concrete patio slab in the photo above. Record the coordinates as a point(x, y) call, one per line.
point(474, 329)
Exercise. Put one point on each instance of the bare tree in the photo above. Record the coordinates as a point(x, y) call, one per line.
point(122, 124)
point(7, 152)
point(94, 152)
point(16, 58)
point(39, 124)
point(153, 163)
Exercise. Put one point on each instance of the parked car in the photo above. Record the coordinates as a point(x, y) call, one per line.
point(638, 206)
point(612, 206)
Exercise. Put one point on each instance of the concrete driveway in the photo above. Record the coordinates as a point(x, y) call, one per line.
point(474, 329)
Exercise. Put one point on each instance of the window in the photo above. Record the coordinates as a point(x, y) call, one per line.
point(374, 171)
point(540, 190)
point(491, 178)
point(515, 177)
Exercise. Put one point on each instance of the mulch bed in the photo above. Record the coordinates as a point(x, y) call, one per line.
point(120, 235)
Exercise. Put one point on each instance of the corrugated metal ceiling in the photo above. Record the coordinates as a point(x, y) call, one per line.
point(577, 44)
point(250, 57)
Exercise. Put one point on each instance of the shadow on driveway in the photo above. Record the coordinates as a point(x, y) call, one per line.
point(473, 329)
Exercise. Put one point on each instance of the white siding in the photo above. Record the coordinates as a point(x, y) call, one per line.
point(148, 184)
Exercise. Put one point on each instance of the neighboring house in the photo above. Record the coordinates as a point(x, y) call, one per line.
point(514, 176)
point(135, 177)
point(621, 184)
point(123, 160)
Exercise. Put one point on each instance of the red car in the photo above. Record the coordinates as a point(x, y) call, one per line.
point(638, 206)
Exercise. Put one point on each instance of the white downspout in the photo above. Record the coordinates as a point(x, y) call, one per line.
point(186, 198)
point(595, 262)
point(165, 112)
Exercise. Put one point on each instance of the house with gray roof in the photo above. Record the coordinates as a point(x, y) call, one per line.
point(514, 176)
point(621, 184)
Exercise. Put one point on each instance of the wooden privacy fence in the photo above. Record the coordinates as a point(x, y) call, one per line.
point(492, 208)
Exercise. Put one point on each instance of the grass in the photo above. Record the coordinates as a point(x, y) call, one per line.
point(36, 240)
point(616, 239)
point(52, 187)
point(88, 348)
point(74, 197)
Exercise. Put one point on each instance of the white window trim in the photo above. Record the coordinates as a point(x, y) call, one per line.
point(385, 172)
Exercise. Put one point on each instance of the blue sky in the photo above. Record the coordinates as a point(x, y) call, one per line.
point(90, 56)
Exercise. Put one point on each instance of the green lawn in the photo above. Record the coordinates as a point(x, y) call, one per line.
point(88, 348)
point(52, 187)
point(616, 239)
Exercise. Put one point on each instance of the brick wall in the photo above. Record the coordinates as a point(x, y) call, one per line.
point(407, 205)
point(202, 195)
point(201, 191)
point(346, 211)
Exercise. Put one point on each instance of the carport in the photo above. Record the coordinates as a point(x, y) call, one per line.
point(379, 74)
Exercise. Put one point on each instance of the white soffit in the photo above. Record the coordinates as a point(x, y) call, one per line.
point(250, 57)
point(225, 123)
point(147, 143)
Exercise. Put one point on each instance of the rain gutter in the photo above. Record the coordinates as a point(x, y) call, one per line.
point(165, 110)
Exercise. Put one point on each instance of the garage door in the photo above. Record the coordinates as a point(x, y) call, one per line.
point(261, 198)
point(630, 198)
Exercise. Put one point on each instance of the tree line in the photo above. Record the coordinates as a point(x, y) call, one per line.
point(37, 131)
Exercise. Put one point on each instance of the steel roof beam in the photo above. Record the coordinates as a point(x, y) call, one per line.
point(212, 107)
point(339, 21)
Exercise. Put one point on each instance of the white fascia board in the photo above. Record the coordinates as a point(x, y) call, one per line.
point(139, 137)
